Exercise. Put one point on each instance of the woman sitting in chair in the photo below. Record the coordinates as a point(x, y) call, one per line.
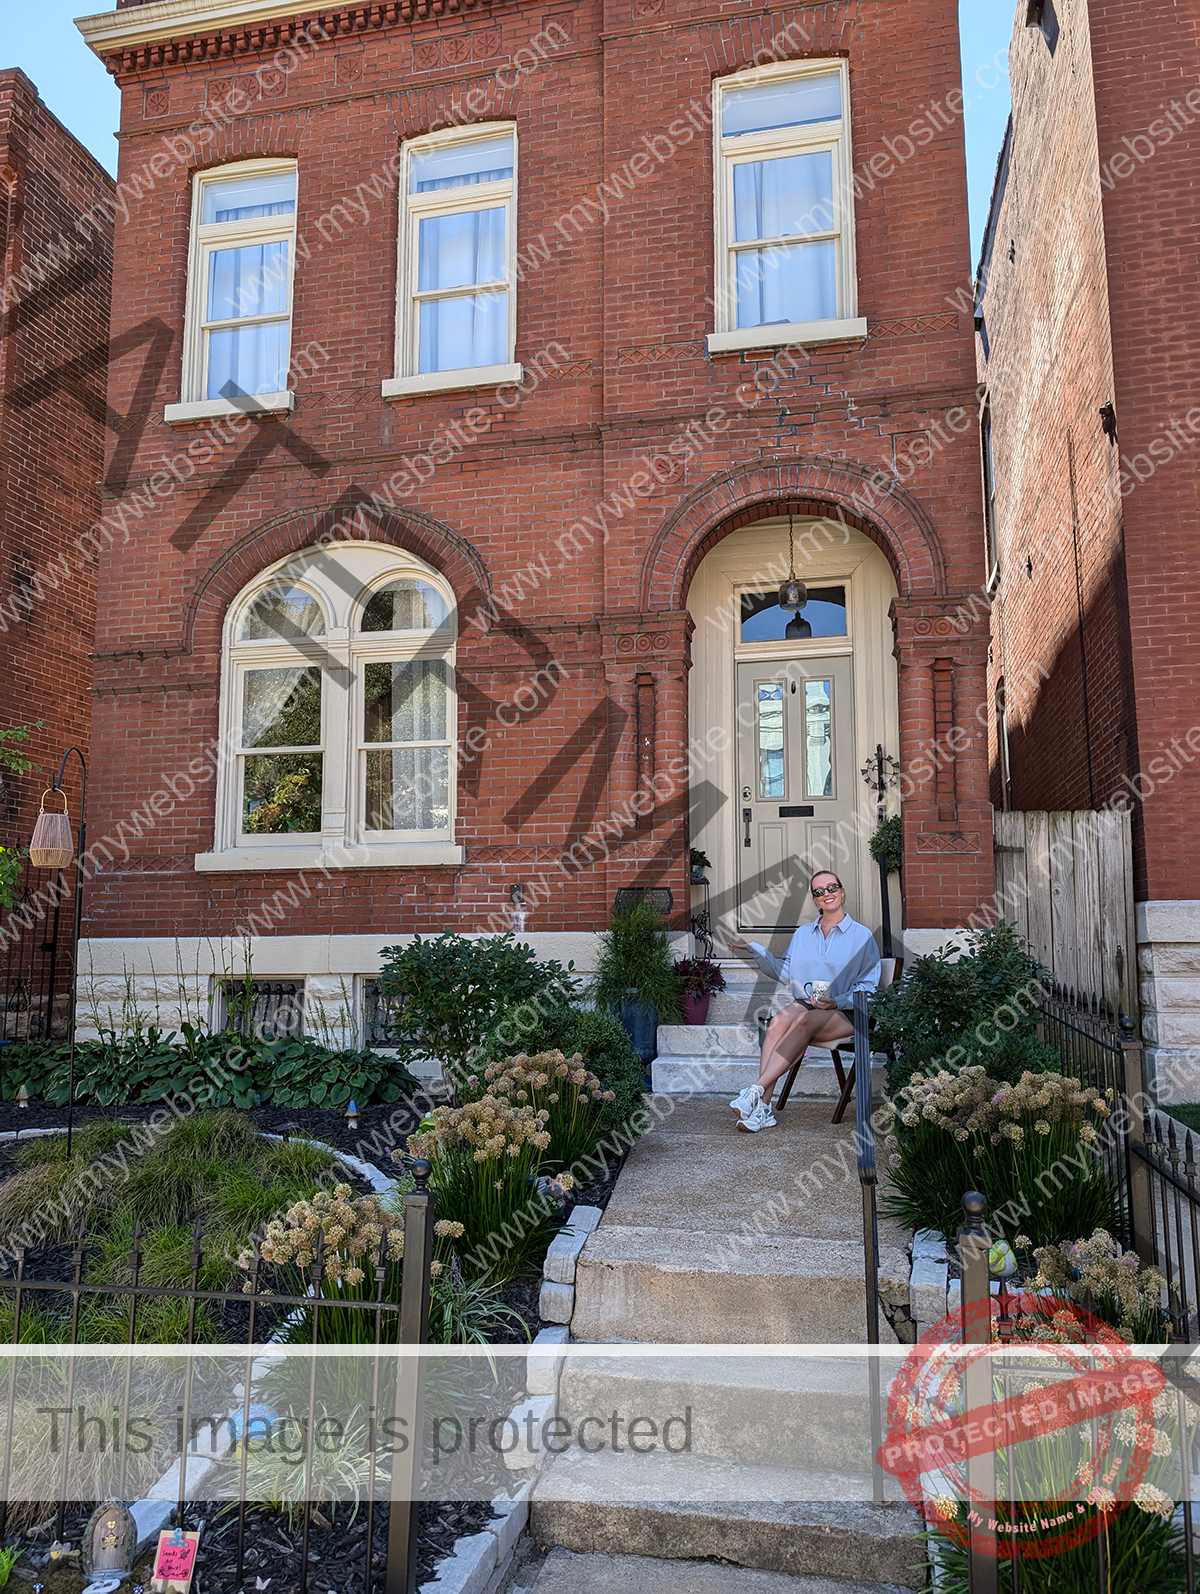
point(826, 963)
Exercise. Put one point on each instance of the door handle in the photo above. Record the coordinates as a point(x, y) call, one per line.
point(747, 816)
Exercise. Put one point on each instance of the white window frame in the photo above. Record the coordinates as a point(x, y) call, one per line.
point(204, 238)
point(341, 579)
point(408, 382)
point(810, 139)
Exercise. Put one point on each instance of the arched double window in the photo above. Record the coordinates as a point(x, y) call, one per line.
point(338, 714)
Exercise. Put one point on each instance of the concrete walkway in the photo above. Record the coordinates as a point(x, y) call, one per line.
point(716, 1237)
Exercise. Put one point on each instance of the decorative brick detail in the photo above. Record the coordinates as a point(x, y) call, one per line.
point(456, 49)
point(946, 322)
point(157, 101)
point(949, 841)
point(486, 43)
point(350, 67)
point(427, 55)
point(648, 8)
point(656, 353)
point(760, 489)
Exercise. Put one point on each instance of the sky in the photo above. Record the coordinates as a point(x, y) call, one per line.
point(40, 38)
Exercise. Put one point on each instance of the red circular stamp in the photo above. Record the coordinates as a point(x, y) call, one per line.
point(1024, 1448)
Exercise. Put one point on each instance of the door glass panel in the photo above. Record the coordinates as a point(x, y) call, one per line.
point(818, 738)
point(771, 783)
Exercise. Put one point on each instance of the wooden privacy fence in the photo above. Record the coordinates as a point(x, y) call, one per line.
point(1066, 880)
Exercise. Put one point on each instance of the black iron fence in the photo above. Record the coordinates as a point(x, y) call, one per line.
point(35, 963)
point(249, 1312)
point(1151, 1158)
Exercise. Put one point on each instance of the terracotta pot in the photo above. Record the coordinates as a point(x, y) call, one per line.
point(695, 1008)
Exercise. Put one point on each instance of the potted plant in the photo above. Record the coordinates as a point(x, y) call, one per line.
point(634, 976)
point(698, 862)
point(699, 979)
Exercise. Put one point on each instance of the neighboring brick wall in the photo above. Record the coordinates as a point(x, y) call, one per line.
point(624, 308)
point(1151, 215)
point(55, 289)
point(1099, 643)
point(1048, 374)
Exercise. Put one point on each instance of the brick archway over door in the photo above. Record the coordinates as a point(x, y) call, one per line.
point(431, 541)
point(894, 521)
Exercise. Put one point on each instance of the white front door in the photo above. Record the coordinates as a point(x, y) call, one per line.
point(796, 784)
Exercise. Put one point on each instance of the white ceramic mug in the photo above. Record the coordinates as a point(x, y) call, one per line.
point(816, 990)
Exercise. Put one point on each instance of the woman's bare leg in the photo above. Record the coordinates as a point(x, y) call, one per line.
point(814, 1026)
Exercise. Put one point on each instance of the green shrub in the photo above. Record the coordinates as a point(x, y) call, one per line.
point(943, 1013)
point(888, 841)
point(222, 1067)
point(635, 956)
point(453, 994)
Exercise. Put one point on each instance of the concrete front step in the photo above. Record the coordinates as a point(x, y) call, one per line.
point(770, 1524)
point(691, 1040)
point(686, 1286)
point(743, 1406)
point(564, 1572)
point(724, 1075)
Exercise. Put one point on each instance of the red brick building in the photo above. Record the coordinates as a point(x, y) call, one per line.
point(55, 286)
point(504, 341)
point(1089, 354)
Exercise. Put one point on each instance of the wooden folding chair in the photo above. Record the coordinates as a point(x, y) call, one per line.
point(889, 972)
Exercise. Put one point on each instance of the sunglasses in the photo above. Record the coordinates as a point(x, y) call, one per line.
point(826, 891)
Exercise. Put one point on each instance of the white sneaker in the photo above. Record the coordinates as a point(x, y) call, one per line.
point(761, 1118)
point(746, 1100)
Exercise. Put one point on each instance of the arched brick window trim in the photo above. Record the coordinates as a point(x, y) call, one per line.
point(420, 534)
point(895, 523)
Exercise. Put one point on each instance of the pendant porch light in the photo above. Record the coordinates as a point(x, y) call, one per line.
point(794, 594)
point(52, 845)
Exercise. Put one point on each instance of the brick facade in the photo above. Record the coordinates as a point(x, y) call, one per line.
point(611, 321)
point(1089, 284)
point(55, 288)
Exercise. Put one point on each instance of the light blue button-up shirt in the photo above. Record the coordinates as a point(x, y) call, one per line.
point(848, 960)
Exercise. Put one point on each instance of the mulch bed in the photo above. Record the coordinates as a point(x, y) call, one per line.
point(336, 1549)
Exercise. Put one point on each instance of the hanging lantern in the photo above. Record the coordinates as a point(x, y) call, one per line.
point(797, 630)
point(52, 846)
point(793, 594)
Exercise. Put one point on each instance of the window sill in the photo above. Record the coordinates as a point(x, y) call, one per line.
point(774, 337)
point(407, 855)
point(401, 387)
point(216, 409)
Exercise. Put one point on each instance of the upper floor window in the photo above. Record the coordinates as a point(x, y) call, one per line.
point(338, 708)
point(239, 303)
point(456, 299)
point(784, 203)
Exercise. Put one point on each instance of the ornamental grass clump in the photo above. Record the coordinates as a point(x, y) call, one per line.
point(1031, 1147)
point(1107, 1282)
point(346, 1238)
point(569, 1095)
point(486, 1155)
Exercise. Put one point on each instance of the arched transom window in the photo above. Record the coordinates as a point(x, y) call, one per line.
point(338, 714)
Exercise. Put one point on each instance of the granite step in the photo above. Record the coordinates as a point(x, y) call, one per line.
point(776, 1519)
point(766, 1286)
point(565, 1572)
point(745, 1405)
